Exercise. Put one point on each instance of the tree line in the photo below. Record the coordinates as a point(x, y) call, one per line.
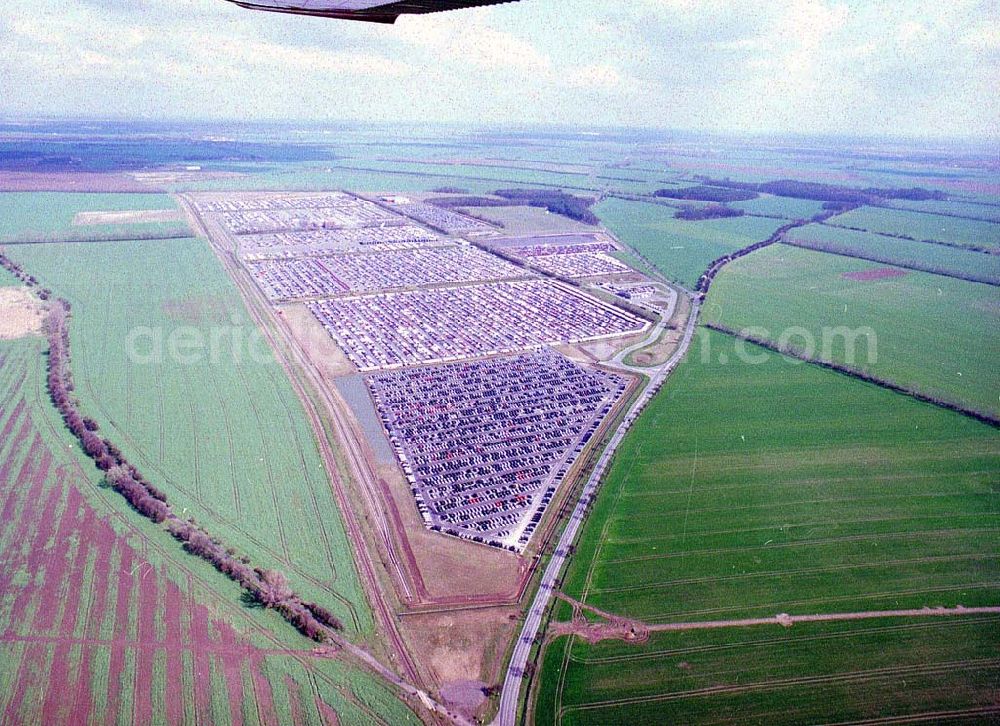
point(709, 211)
point(555, 201)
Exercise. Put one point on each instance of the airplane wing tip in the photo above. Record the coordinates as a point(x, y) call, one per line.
point(386, 12)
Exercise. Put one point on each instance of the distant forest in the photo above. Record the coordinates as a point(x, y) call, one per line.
point(709, 211)
point(705, 193)
point(555, 201)
point(829, 192)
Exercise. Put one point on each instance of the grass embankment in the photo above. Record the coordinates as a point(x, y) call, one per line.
point(746, 490)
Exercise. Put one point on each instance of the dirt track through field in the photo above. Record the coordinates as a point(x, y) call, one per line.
point(623, 628)
point(788, 621)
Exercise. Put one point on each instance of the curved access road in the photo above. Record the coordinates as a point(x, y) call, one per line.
point(511, 692)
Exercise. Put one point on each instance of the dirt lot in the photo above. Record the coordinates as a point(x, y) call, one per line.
point(660, 351)
point(316, 342)
point(453, 571)
point(463, 649)
point(21, 313)
point(128, 216)
point(876, 273)
point(32, 181)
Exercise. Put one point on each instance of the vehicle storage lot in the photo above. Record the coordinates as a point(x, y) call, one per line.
point(299, 278)
point(390, 330)
point(485, 444)
point(398, 236)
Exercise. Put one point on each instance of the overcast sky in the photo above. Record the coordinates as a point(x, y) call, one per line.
point(910, 67)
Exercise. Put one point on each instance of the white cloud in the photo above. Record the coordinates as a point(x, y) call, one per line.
point(918, 66)
point(475, 43)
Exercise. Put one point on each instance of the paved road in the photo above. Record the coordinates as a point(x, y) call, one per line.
point(510, 695)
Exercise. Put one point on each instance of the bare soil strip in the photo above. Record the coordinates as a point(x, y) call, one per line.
point(788, 621)
point(21, 313)
point(129, 216)
point(621, 628)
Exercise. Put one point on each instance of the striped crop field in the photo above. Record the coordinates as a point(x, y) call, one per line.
point(98, 600)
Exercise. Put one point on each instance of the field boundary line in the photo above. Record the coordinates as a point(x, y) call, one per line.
point(788, 621)
point(839, 598)
point(661, 538)
point(801, 571)
point(981, 416)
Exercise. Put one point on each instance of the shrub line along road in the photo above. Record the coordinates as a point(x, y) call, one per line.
point(510, 694)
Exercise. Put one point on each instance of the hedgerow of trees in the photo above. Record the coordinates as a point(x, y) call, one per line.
point(830, 192)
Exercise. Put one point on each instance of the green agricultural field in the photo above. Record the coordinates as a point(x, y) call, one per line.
point(50, 214)
point(102, 602)
point(220, 431)
point(530, 220)
point(879, 248)
point(750, 489)
point(934, 333)
point(780, 207)
point(682, 250)
point(951, 206)
point(921, 226)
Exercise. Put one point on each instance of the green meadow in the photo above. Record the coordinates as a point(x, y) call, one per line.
point(50, 214)
point(780, 207)
point(932, 333)
point(918, 255)
point(922, 226)
point(682, 250)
